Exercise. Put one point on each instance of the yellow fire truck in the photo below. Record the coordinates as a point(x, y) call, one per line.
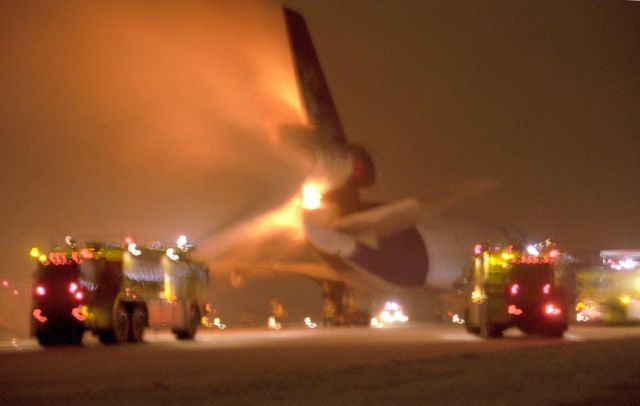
point(507, 288)
point(115, 291)
point(610, 293)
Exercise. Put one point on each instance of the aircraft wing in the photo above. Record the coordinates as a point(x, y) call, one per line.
point(273, 243)
point(315, 270)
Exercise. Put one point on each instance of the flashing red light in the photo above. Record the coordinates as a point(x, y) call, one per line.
point(552, 310)
point(546, 289)
point(514, 289)
point(73, 287)
point(37, 314)
point(41, 291)
point(79, 295)
point(513, 309)
point(86, 254)
point(77, 313)
point(477, 249)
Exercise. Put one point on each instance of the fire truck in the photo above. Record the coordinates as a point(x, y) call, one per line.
point(115, 291)
point(507, 288)
point(610, 293)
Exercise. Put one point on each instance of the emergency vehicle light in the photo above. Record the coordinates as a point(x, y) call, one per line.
point(183, 244)
point(133, 249)
point(531, 250)
point(37, 314)
point(514, 310)
point(172, 255)
point(552, 310)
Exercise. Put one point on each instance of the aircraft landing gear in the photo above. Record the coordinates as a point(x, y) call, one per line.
point(339, 307)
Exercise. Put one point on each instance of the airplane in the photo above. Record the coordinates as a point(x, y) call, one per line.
point(328, 232)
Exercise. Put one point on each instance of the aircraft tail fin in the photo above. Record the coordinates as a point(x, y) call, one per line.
point(314, 90)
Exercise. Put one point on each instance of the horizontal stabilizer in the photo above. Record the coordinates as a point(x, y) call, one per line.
point(381, 220)
point(402, 214)
point(457, 194)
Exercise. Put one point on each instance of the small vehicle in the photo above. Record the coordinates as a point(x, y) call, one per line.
point(610, 293)
point(509, 288)
point(115, 291)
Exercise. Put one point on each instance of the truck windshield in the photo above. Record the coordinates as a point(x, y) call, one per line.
point(532, 272)
point(55, 274)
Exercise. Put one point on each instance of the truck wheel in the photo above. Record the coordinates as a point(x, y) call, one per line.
point(121, 325)
point(45, 339)
point(138, 324)
point(120, 332)
point(491, 331)
point(106, 337)
point(192, 325)
point(467, 325)
point(74, 337)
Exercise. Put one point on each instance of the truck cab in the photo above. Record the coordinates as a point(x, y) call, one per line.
point(57, 304)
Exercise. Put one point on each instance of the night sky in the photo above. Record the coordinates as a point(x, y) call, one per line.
point(159, 120)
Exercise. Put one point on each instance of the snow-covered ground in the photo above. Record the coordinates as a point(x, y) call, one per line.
point(415, 365)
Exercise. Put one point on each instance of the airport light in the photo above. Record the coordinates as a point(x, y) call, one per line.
point(273, 324)
point(219, 324)
point(582, 317)
point(457, 319)
point(309, 323)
